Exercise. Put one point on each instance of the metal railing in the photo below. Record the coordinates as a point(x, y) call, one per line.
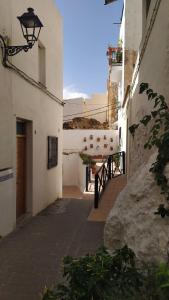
point(115, 55)
point(88, 177)
point(112, 167)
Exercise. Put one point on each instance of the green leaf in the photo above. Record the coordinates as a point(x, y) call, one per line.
point(157, 101)
point(154, 113)
point(133, 128)
point(146, 120)
point(153, 95)
point(143, 87)
point(149, 91)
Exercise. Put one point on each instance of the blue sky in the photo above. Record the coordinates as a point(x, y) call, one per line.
point(88, 30)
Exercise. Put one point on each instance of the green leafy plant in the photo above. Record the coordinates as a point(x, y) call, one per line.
point(98, 277)
point(87, 159)
point(156, 282)
point(102, 276)
point(159, 138)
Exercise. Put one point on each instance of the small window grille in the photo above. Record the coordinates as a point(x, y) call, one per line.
point(52, 152)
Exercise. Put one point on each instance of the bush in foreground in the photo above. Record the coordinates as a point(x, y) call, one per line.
point(104, 277)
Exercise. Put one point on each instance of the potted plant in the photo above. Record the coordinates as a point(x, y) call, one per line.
point(93, 166)
point(85, 158)
point(116, 160)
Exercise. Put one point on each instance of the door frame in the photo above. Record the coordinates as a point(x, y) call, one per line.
point(29, 165)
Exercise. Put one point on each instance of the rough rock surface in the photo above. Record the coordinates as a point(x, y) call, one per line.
point(132, 220)
point(84, 123)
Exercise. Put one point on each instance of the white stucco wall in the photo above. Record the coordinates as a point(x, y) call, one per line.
point(132, 24)
point(20, 99)
point(74, 172)
point(70, 172)
point(73, 108)
point(154, 69)
point(73, 144)
point(78, 144)
point(94, 107)
point(131, 31)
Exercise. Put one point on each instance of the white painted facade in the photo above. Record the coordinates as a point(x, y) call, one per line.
point(23, 97)
point(75, 141)
point(151, 67)
point(129, 37)
point(95, 107)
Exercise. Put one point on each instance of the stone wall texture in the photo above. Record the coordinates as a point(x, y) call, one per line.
point(132, 220)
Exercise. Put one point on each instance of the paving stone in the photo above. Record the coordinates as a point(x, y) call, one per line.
point(31, 257)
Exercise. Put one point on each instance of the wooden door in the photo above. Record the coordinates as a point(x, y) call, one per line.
point(21, 176)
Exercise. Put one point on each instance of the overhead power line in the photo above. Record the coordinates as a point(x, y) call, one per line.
point(88, 115)
point(82, 113)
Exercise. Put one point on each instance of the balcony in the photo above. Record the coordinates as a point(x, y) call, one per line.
point(115, 58)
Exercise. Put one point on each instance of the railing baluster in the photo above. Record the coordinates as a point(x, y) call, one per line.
point(106, 172)
point(124, 162)
point(109, 167)
point(96, 198)
point(87, 178)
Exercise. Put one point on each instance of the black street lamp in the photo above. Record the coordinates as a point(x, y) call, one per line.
point(31, 27)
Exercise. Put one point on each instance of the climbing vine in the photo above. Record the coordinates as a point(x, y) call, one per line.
point(159, 138)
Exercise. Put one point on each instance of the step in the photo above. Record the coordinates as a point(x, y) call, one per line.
point(113, 188)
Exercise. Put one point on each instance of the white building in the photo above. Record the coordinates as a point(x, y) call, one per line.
point(121, 73)
point(97, 143)
point(30, 115)
point(94, 142)
point(143, 32)
point(95, 107)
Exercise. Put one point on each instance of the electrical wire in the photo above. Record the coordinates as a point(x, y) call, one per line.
point(88, 115)
point(88, 110)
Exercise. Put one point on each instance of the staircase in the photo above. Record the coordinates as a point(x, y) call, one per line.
point(113, 188)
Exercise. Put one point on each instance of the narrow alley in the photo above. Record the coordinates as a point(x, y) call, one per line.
point(31, 257)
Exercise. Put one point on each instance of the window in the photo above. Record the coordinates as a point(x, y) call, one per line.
point(20, 128)
point(42, 64)
point(52, 151)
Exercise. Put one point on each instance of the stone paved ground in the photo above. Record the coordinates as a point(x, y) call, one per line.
point(30, 257)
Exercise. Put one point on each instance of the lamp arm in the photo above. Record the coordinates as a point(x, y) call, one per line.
point(11, 50)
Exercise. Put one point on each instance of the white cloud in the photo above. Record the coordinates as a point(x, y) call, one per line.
point(71, 92)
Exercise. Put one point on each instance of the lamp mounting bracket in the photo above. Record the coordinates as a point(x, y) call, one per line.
point(13, 50)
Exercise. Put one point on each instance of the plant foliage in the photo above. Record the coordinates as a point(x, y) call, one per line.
point(104, 277)
point(158, 137)
point(87, 159)
point(98, 277)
